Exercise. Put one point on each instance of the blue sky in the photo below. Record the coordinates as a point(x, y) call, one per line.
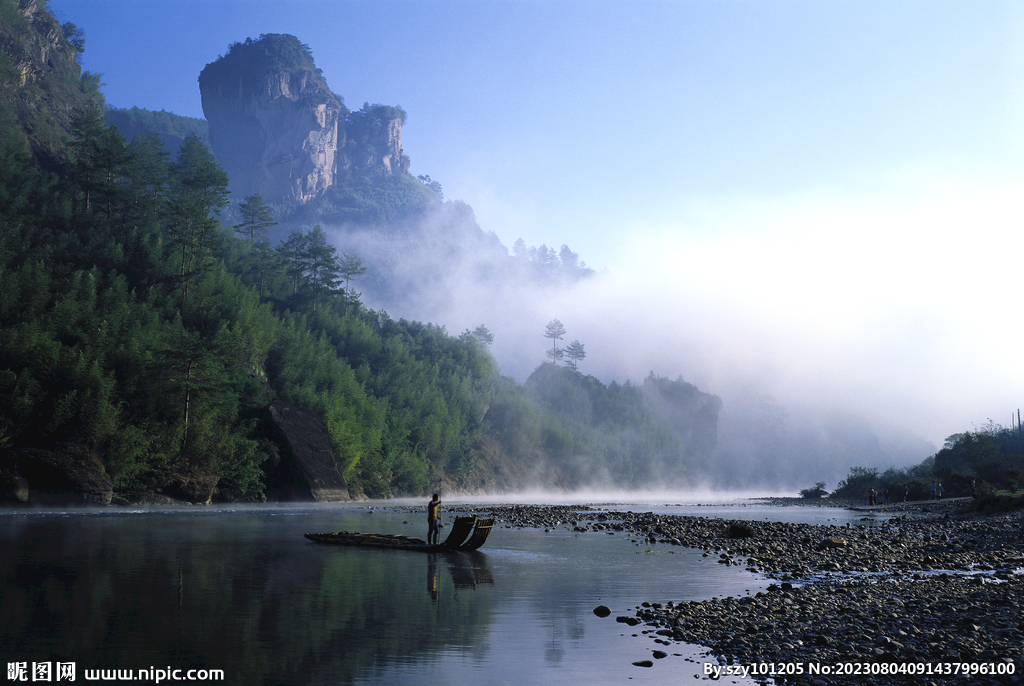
point(570, 122)
point(819, 194)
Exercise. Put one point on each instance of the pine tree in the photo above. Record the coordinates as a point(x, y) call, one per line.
point(575, 352)
point(199, 190)
point(554, 330)
point(319, 262)
point(256, 218)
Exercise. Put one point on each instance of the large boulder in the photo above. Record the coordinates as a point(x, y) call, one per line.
point(59, 475)
point(308, 463)
point(192, 488)
point(13, 487)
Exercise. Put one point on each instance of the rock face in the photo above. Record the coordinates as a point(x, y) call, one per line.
point(54, 476)
point(278, 130)
point(41, 87)
point(38, 47)
point(309, 457)
point(276, 135)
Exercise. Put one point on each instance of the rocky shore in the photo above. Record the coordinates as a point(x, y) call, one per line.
point(921, 593)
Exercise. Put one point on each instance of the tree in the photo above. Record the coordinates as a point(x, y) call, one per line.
point(816, 492)
point(482, 334)
point(432, 185)
point(199, 190)
point(73, 35)
point(554, 330)
point(290, 251)
point(319, 262)
point(98, 155)
point(256, 218)
point(568, 258)
point(265, 261)
point(519, 249)
point(575, 352)
point(350, 266)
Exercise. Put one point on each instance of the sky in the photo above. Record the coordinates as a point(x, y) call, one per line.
point(819, 200)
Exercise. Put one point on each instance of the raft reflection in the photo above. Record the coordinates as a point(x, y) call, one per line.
point(468, 569)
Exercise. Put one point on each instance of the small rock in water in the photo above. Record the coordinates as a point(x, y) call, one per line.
point(643, 663)
point(602, 611)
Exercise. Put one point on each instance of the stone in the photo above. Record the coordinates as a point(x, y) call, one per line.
point(602, 611)
point(59, 474)
point(192, 488)
point(832, 543)
point(311, 470)
point(13, 487)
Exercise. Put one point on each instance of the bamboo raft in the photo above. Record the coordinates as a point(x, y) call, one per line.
point(468, 533)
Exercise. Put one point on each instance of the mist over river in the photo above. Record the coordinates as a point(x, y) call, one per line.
point(241, 590)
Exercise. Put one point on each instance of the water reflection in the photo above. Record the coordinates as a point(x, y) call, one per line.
point(251, 596)
point(468, 569)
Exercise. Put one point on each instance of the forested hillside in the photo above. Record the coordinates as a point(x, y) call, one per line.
point(977, 463)
point(143, 337)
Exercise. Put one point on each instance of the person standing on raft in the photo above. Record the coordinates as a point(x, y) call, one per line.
point(434, 520)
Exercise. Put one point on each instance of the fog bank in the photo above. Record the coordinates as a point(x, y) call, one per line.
point(838, 330)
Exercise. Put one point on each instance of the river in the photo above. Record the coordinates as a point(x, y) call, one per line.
point(241, 590)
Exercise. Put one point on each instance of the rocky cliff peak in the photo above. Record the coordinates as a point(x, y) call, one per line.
point(279, 130)
point(41, 83)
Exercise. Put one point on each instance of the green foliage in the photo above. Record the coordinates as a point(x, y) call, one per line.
point(135, 326)
point(256, 218)
point(74, 36)
point(857, 483)
point(363, 201)
point(171, 129)
point(992, 458)
point(251, 59)
point(590, 432)
point(817, 491)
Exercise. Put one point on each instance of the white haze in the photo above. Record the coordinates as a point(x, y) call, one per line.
point(871, 325)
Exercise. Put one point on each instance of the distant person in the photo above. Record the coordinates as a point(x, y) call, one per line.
point(434, 520)
point(972, 488)
point(906, 491)
point(939, 490)
point(871, 496)
point(933, 491)
point(886, 496)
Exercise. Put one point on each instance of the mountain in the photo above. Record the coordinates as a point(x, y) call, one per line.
point(172, 129)
point(279, 131)
point(147, 351)
point(41, 84)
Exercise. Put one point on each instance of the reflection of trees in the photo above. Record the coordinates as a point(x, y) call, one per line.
point(133, 592)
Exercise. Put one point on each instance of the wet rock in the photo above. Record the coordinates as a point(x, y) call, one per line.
point(740, 530)
point(602, 611)
point(644, 663)
point(832, 543)
point(61, 474)
point(13, 487)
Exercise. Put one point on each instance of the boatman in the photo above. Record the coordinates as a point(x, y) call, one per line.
point(434, 520)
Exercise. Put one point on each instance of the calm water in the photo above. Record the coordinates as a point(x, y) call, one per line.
point(243, 591)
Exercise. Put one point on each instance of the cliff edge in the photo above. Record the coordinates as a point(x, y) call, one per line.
point(278, 129)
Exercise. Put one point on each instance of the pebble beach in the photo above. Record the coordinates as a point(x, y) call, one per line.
point(933, 595)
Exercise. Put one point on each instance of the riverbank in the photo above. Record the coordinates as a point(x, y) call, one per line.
point(920, 590)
